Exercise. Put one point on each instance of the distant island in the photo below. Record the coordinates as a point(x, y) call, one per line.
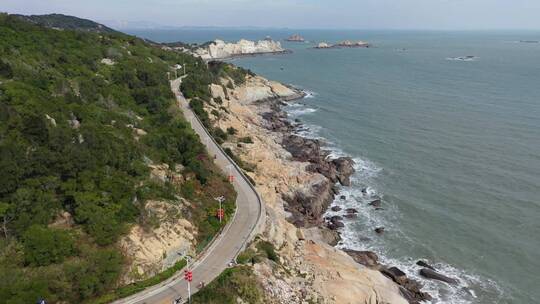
point(219, 49)
point(343, 44)
point(295, 38)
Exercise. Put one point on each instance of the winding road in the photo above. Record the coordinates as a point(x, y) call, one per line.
point(246, 223)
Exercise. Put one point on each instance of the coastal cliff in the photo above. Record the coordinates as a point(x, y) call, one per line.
point(297, 183)
point(219, 49)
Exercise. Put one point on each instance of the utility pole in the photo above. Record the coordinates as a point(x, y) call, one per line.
point(188, 276)
point(220, 212)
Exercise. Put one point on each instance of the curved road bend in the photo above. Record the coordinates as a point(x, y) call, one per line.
point(227, 245)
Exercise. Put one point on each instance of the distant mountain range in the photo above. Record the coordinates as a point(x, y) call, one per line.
point(66, 22)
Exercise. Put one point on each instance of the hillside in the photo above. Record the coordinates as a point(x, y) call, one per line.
point(59, 21)
point(98, 164)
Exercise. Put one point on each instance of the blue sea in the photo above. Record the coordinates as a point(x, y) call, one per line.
point(451, 146)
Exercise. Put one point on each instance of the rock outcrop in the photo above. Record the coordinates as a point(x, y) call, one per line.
point(219, 49)
point(152, 251)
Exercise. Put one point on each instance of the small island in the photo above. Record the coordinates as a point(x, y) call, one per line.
point(343, 44)
point(295, 38)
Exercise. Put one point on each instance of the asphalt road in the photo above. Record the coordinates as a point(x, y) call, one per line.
point(246, 222)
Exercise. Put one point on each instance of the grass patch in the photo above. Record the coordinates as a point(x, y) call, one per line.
point(233, 283)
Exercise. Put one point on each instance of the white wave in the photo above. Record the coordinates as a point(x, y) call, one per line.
point(358, 235)
point(309, 94)
point(463, 58)
point(301, 111)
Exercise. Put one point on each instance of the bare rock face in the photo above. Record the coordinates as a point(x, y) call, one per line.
point(308, 205)
point(345, 168)
point(309, 150)
point(366, 258)
point(303, 149)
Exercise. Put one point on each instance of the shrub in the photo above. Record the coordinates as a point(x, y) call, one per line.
point(246, 256)
point(231, 131)
point(219, 133)
point(231, 284)
point(269, 250)
point(218, 100)
point(246, 140)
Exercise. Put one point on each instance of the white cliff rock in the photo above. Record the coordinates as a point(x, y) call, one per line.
point(220, 49)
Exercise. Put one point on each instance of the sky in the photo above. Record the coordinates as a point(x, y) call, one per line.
point(333, 14)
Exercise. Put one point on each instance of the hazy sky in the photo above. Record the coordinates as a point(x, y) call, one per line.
point(372, 14)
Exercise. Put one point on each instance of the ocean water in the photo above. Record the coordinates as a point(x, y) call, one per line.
point(452, 147)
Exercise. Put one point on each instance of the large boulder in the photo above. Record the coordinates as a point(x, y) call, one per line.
point(303, 149)
point(434, 275)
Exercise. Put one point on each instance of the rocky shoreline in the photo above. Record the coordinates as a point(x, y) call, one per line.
point(298, 182)
point(307, 208)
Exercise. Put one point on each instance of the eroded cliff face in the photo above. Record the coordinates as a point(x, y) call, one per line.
point(315, 271)
point(220, 49)
point(154, 249)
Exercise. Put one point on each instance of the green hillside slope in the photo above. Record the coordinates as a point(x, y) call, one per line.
point(82, 115)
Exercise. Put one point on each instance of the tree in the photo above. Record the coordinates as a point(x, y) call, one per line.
point(5, 217)
point(44, 246)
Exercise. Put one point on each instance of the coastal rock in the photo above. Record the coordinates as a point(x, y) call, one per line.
point(335, 208)
point(335, 225)
point(351, 216)
point(376, 203)
point(432, 274)
point(342, 197)
point(379, 230)
point(309, 204)
point(424, 264)
point(335, 218)
point(351, 211)
point(219, 49)
point(410, 289)
point(303, 149)
point(395, 274)
point(323, 45)
point(366, 258)
point(335, 222)
point(345, 168)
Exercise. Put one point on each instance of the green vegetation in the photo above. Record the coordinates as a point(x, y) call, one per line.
point(126, 291)
point(246, 140)
point(268, 249)
point(231, 131)
point(233, 283)
point(66, 22)
point(75, 173)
